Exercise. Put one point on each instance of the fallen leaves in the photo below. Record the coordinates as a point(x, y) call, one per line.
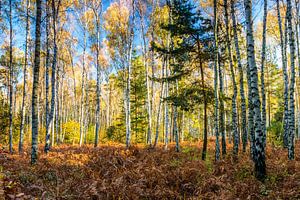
point(113, 172)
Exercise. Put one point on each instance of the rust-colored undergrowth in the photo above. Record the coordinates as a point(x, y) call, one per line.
point(112, 172)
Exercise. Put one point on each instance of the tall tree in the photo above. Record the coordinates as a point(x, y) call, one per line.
point(55, 11)
point(216, 107)
point(48, 122)
point(259, 153)
point(11, 77)
point(24, 79)
point(241, 75)
point(292, 82)
point(130, 37)
point(234, 97)
point(97, 10)
point(84, 24)
point(35, 86)
point(141, 11)
point(222, 106)
point(262, 77)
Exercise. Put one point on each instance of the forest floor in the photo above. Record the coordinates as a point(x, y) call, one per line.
point(112, 172)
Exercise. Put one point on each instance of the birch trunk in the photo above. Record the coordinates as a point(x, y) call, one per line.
point(159, 106)
point(47, 139)
point(241, 80)
point(98, 92)
point(149, 105)
point(11, 74)
point(128, 62)
point(259, 153)
point(262, 77)
point(82, 92)
point(53, 74)
point(234, 103)
point(35, 86)
point(216, 106)
point(291, 128)
point(222, 109)
point(24, 80)
point(285, 74)
point(57, 109)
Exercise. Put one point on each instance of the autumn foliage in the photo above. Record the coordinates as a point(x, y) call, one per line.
point(112, 172)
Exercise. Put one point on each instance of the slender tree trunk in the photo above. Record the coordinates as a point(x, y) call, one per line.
point(74, 87)
point(259, 153)
point(149, 105)
point(57, 104)
point(292, 83)
point(82, 92)
point(297, 19)
point(216, 57)
point(35, 86)
point(24, 80)
point(159, 105)
point(175, 125)
point(152, 68)
point(128, 62)
point(166, 106)
point(285, 75)
point(241, 74)
point(86, 111)
point(234, 97)
point(297, 34)
point(262, 77)
point(98, 82)
point(53, 73)
point(204, 150)
point(47, 139)
point(221, 116)
point(11, 73)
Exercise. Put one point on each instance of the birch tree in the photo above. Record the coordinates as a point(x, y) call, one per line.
point(234, 97)
point(24, 79)
point(97, 10)
point(259, 153)
point(11, 77)
point(141, 11)
point(291, 135)
point(120, 40)
point(35, 87)
point(241, 75)
point(285, 73)
point(262, 77)
point(47, 138)
point(216, 106)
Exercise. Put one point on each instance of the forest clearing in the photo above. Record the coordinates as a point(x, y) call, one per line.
point(113, 172)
